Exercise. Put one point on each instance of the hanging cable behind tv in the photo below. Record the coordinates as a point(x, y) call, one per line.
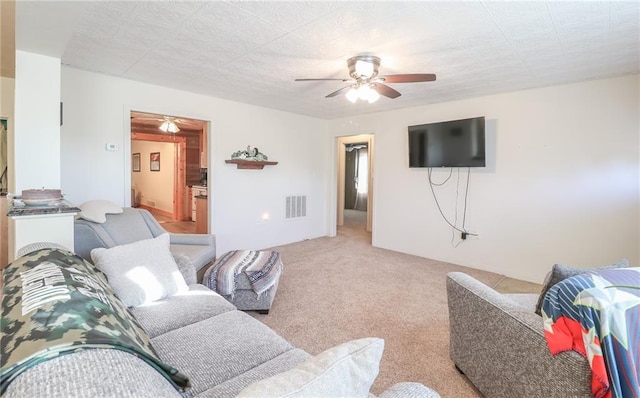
point(462, 230)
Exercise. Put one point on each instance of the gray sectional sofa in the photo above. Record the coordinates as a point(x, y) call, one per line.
point(221, 350)
point(497, 341)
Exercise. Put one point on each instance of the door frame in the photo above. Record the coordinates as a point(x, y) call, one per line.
point(185, 114)
point(342, 142)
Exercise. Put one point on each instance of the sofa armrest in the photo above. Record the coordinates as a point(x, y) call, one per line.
point(409, 390)
point(500, 346)
point(87, 236)
point(186, 268)
point(193, 239)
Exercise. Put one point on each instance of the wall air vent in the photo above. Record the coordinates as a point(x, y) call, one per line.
point(295, 207)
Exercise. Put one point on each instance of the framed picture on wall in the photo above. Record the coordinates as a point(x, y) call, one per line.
point(154, 158)
point(135, 162)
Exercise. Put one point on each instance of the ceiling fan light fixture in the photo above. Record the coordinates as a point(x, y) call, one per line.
point(173, 128)
point(363, 92)
point(352, 95)
point(169, 126)
point(373, 96)
point(365, 83)
point(364, 69)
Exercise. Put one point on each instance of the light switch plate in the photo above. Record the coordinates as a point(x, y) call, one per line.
point(111, 147)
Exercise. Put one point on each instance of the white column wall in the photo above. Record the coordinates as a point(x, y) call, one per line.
point(36, 137)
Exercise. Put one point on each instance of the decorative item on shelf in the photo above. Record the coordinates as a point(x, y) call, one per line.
point(251, 158)
point(252, 154)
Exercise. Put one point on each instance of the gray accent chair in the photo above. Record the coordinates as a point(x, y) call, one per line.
point(497, 341)
point(133, 225)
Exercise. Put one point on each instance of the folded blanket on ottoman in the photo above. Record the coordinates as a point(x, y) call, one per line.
point(262, 268)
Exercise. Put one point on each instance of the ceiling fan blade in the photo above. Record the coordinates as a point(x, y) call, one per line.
point(333, 94)
point(409, 78)
point(386, 91)
point(314, 80)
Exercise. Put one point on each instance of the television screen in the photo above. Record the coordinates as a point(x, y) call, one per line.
point(456, 143)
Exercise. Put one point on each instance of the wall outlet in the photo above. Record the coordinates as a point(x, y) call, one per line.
point(111, 147)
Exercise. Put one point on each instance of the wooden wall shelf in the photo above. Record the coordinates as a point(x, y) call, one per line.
point(250, 164)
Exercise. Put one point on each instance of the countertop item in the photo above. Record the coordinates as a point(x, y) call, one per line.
point(41, 197)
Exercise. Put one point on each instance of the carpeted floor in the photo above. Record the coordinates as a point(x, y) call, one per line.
point(337, 289)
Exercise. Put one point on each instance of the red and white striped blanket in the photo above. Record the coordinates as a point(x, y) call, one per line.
point(261, 268)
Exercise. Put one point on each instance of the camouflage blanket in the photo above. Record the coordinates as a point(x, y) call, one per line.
point(54, 303)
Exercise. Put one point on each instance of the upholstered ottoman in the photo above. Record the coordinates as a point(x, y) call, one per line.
point(247, 278)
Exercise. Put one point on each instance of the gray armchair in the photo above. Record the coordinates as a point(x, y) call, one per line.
point(133, 225)
point(497, 341)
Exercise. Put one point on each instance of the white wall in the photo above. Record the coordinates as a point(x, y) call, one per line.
point(561, 184)
point(36, 139)
point(155, 188)
point(97, 112)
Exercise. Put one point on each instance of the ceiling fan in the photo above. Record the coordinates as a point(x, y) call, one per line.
point(366, 84)
point(168, 124)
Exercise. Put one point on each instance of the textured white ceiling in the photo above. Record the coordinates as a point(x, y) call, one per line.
point(251, 52)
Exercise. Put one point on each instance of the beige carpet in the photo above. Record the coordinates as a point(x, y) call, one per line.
point(337, 289)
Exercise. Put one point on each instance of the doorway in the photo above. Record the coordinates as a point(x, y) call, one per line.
point(169, 160)
point(355, 181)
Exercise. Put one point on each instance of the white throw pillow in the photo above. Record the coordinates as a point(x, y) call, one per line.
point(347, 370)
point(141, 272)
point(96, 210)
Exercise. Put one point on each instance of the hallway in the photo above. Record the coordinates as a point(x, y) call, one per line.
point(355, 225)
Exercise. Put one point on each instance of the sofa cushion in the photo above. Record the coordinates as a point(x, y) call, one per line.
point(279, 364)
point(347, 370)
point(96, 210)
point(219, 348)
point(141, 272)
point(181, 309)
point(561, 272)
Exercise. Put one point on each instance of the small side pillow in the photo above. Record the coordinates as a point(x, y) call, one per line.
point(96, 210)
point(141, 272)
point(561, 272)
point(347, 370)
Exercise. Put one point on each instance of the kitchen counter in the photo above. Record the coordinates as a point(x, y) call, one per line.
point(17, 208)
point(196, 190)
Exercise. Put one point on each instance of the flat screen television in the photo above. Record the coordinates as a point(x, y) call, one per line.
point(455, 143)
